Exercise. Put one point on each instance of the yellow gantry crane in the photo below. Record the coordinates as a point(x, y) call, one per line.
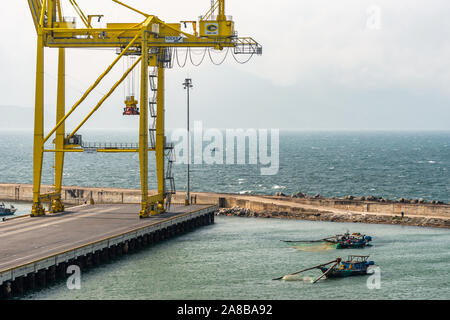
point(152, 41)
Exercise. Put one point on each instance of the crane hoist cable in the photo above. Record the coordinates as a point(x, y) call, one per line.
point(242, 62)
point(185, 58)
point(201, 61)
point(223, 60)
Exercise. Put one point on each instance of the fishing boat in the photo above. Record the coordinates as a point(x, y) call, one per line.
point(340, 241)
point(353, 266)
point(4, 211)
point(347, 240)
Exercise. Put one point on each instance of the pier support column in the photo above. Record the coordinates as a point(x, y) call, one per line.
point(125, 247)
point(18, 286)
point(51, 274)
point(31, 281)
point(112, 252)
point(104, 255)
point(139, 243)
point(119, 250)
point(61, 270)
point(81, 262)
point(89, 260)
point(132, 245)
point(41, 278)
point(96, 259)
point(6, 290)
point(145, 240)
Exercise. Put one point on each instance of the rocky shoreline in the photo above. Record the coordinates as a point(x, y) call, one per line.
point(320, 215)
point(300, 195)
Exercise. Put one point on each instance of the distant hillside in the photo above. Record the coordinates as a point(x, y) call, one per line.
point(20, 118)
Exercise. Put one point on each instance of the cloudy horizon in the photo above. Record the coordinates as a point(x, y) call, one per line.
point(352, 65)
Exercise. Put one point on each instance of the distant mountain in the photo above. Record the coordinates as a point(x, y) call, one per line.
point(21, 118)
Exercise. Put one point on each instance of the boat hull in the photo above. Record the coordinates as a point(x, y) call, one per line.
point(6, 212)
point(344, 273)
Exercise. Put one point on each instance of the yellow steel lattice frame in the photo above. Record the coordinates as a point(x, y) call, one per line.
point(148, 39)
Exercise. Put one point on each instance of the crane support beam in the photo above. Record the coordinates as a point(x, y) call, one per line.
point(41, 17)
point(80, 13)
point(38, 144)
point(35, 8)
point(143, 128)
point(160, 138)
point(57, 205)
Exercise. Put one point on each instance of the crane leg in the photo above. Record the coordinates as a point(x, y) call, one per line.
point(143, 131)
point(38, 145)
point(160, 143)
point(57, 205)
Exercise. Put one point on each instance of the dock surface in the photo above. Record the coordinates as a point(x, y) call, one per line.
point(31, 244)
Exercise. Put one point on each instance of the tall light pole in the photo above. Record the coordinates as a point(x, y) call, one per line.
point(187, 85)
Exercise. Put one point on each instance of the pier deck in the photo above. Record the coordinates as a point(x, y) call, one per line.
point(29, 245)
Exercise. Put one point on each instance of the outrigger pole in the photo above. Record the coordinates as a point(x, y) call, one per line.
point(328, 271)
point(315, 267)
point(307, 241)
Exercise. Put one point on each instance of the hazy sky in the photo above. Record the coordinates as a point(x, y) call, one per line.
point(348, 64)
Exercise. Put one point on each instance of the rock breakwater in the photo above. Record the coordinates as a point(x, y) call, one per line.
point(319, 215)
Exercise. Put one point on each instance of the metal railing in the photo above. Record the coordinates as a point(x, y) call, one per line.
point(110, 145)
point(247, 45)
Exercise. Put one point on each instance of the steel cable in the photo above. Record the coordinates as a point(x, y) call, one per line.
point(242, 62)
point(223, 60)
point(201, 61)
point(185, 58)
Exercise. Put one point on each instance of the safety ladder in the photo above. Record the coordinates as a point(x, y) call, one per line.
point(169, 180)
point(152, 105)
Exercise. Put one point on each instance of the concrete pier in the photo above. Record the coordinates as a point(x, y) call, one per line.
point(37, 251)
point(75, 195)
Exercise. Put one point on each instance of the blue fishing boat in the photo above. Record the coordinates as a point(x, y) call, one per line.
point(340, 241)
point(353, 266)
point(350, 241)
point(4, 211)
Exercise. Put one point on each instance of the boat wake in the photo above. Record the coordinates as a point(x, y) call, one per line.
point(318, 247)
point(296, 277)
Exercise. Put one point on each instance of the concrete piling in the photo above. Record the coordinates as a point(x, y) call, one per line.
point(104, 256)
point(51, 274)
point(132, 245)
point(119, 250)
point(112, 252)
point(18, 287)
point(125, 247)
point(41, 278)
point(61, 270)
point(145, 240)
point(6, 290)
point(96, 259)
point(89, 260)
